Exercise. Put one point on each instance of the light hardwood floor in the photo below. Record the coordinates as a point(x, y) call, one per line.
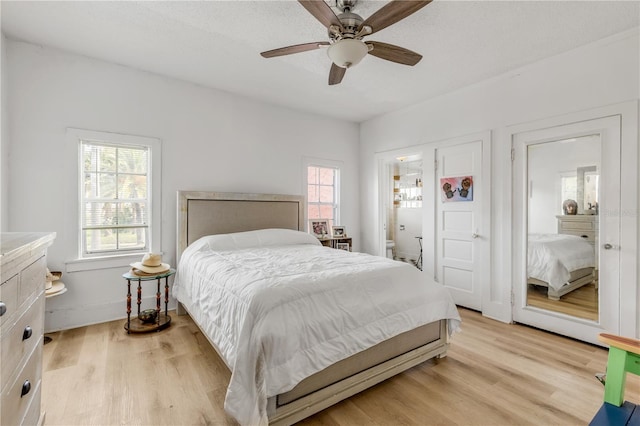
point(494, 374)
point(581, 302)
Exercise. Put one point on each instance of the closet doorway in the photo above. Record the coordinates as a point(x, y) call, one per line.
point(568, 240)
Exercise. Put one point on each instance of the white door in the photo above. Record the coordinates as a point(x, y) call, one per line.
point(529, 218)
point(461, 237)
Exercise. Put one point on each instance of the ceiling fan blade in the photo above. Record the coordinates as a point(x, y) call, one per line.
point(394, 53)
point(336, 74)
point(322, 12)
point(392, 12)
point(294, 49)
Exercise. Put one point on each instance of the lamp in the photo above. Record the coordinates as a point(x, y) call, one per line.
point(348, 52)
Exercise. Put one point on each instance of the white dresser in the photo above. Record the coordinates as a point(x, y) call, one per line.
point(22, 284)
point(582, 225)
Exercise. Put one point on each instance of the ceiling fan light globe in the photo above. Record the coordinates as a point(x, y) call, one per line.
point(347, 53)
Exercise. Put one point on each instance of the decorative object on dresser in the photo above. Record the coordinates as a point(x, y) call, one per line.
point(22, 290)
point(569, 207)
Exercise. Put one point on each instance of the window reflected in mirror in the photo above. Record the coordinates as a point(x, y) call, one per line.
point(562, 219)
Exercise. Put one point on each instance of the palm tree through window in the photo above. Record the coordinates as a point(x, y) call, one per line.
point(114, 198)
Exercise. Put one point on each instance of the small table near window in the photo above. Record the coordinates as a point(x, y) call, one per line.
point(163, 319)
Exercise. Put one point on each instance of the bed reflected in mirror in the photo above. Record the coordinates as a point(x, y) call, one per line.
point(563, 221)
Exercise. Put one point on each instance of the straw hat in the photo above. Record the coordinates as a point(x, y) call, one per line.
point(151, 264)
point(50, 277)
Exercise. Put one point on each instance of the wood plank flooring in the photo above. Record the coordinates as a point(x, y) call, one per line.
point(581, 302)
point(494, 374)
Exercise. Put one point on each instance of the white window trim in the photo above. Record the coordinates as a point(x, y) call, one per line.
point(80, 263)
point(321, 162)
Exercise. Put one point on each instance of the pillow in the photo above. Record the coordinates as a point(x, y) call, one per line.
point(259, 238)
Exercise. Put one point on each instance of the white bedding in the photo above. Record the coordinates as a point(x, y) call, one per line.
point(280, 307)
point(552, 257)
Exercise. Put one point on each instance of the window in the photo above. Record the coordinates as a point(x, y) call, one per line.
point(323, 184)
point(119, 184)
point(568, 187)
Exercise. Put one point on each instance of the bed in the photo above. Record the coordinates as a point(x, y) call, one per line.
point(291, 326)
point(560, 262)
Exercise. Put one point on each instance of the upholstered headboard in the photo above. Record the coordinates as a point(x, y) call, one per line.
point(208, 213)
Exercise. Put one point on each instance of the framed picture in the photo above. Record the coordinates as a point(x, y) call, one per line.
point(338, 232)
point(457, 188)
point(319, 227)
point(342, 246)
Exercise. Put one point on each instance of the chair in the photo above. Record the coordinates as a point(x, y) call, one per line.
point(624, 357)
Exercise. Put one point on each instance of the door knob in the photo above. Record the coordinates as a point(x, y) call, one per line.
point(475, 235)
point(608, 246)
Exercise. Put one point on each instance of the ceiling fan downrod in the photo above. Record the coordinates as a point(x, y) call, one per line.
point(350, 22)
point(346, 5)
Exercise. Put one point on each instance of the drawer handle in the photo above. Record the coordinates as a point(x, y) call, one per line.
point(3, 308)
point(584, 236)
point(26, 387)
point(28, 331)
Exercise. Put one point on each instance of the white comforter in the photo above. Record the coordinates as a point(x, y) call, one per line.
point(552, 257)
point(280, 307)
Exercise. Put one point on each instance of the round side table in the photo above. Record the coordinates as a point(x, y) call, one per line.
point(163, 320)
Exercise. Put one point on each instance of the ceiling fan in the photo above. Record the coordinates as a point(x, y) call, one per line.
point(346, 30)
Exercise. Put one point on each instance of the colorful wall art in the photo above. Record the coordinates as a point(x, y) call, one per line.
point(456, 188)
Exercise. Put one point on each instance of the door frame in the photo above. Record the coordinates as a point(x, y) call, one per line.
point(481, 190)
point(383, 159)
point(430, 196)
point(627, 318)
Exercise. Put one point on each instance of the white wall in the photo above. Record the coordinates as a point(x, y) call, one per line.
point(600, 74)
point(211, 141)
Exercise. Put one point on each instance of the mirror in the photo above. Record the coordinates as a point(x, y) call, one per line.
point(562, 224)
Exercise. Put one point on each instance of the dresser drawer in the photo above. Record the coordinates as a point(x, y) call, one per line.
point(32, 279)
point(14, 347)
point(589, 236)
point(34, 416)
point(9, 297)
point(14, 405)
point(566, 225)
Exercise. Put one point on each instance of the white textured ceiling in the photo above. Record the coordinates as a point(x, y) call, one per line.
point(217, 44)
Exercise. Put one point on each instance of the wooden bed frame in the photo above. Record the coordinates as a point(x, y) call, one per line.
point(207, 213)
point(577, 279)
